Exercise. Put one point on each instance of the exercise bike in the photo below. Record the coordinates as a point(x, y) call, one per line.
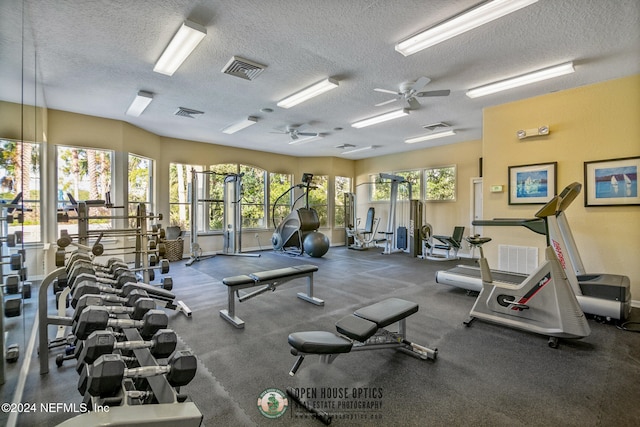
point(298, 232)
point(544, 303)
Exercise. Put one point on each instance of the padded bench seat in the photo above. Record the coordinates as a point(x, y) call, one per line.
point(268, 281)
point(269, 275)
point(386, 312)
point(319, 342)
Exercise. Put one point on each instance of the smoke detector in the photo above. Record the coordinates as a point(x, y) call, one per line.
point(243, 68)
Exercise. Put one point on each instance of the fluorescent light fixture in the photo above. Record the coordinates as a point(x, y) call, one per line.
point(235, 127)
point(524, 79)
point(381, 118)
point(140, 103)
point(355, 150)
point(466, 21)
point(430, 136)
point(308, 93)
point(307, 139)
point(180, 47)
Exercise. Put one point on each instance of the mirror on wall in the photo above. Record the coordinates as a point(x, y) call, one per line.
point(22, 137)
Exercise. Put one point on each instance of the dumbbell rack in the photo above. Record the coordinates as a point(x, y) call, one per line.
point(171, 408)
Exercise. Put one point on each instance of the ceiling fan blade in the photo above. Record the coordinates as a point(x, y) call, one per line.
point(386, 102)
point(444, 92)
point(420, 84)
point(307, 134)
point(413, 103)
point(387, 91)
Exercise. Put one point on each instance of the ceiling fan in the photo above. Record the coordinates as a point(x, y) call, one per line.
point(295, 134)
point(409, 91)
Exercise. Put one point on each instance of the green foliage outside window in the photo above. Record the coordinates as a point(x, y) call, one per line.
point(342, 185)
point(441, 183)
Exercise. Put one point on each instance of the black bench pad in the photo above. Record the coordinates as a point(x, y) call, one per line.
point(319, 342)
point(389, 311)
point(269, 275)
point(356, 328)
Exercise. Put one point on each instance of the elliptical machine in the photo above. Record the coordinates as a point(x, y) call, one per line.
point(298, 232)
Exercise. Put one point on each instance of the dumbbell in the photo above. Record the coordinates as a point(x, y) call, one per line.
point(96, 317)
point(13, 238)
point(84, 272)
point(127, 295)
point(104, 377)
point(138, 303)
point(161, 345)
point(84, 257)
point(15, 260)
point(65, 240)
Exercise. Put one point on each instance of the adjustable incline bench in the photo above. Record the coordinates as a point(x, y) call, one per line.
point(366, 327)
point(269, 280)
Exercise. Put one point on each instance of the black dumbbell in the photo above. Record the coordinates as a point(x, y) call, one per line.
point(161, 345)
point(104, 377)
point(80, 270)
point(96, 317)
point(138, 303)
point(109, 294)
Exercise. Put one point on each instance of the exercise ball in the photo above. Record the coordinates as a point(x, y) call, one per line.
point(316, 244)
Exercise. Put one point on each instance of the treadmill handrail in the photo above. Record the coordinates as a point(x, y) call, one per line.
point(537, 225)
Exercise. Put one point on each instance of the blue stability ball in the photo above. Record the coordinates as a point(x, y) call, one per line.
point(316, 244)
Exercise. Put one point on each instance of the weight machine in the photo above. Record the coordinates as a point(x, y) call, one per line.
point(290, 234)
point(231, 214)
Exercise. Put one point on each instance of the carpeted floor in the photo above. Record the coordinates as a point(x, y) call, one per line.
point(484, 375)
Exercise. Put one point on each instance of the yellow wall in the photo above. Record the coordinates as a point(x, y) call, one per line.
point(596, 122)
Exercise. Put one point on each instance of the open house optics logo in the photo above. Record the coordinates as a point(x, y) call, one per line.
point(273, 403)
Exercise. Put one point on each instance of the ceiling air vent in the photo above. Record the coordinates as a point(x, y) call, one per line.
point(187, 112)
point(435, 126)
point(243, 68)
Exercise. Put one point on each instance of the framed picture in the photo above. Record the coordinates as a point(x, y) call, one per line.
point(612, 182)
point(532, 184)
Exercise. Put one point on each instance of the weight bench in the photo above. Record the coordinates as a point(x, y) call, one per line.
point(448, 244)
point(269, 280)
point(363, 330)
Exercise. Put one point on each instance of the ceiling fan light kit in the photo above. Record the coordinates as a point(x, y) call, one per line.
point(466, 21)
point(381, 118)
point(189, 35)
point(308, 93)
point(238, 126)
point(524, 79)
point(430, 136)
point(140, 103)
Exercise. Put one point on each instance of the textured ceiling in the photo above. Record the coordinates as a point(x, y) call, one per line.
point(93, 57)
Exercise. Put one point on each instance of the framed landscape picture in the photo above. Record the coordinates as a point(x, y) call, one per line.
point(612, 182)
point(532, 184)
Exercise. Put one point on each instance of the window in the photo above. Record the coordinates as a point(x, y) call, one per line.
point(413, 177)
point(318, 198)
point(379, 190)
point(85, 174)
point(179, 195)
point(279, 183)
point(342, 185)
point(20, 173)
point(440, 183)
point(215, 191)
point(140, 176)
point(253, 197)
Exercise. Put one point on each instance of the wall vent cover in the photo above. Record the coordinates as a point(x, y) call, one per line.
point(187, 112)
point(243, 68)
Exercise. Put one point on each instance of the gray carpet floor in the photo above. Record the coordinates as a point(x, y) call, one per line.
point(485, 375)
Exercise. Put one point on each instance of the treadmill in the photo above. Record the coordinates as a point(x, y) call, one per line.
point(600, 294)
